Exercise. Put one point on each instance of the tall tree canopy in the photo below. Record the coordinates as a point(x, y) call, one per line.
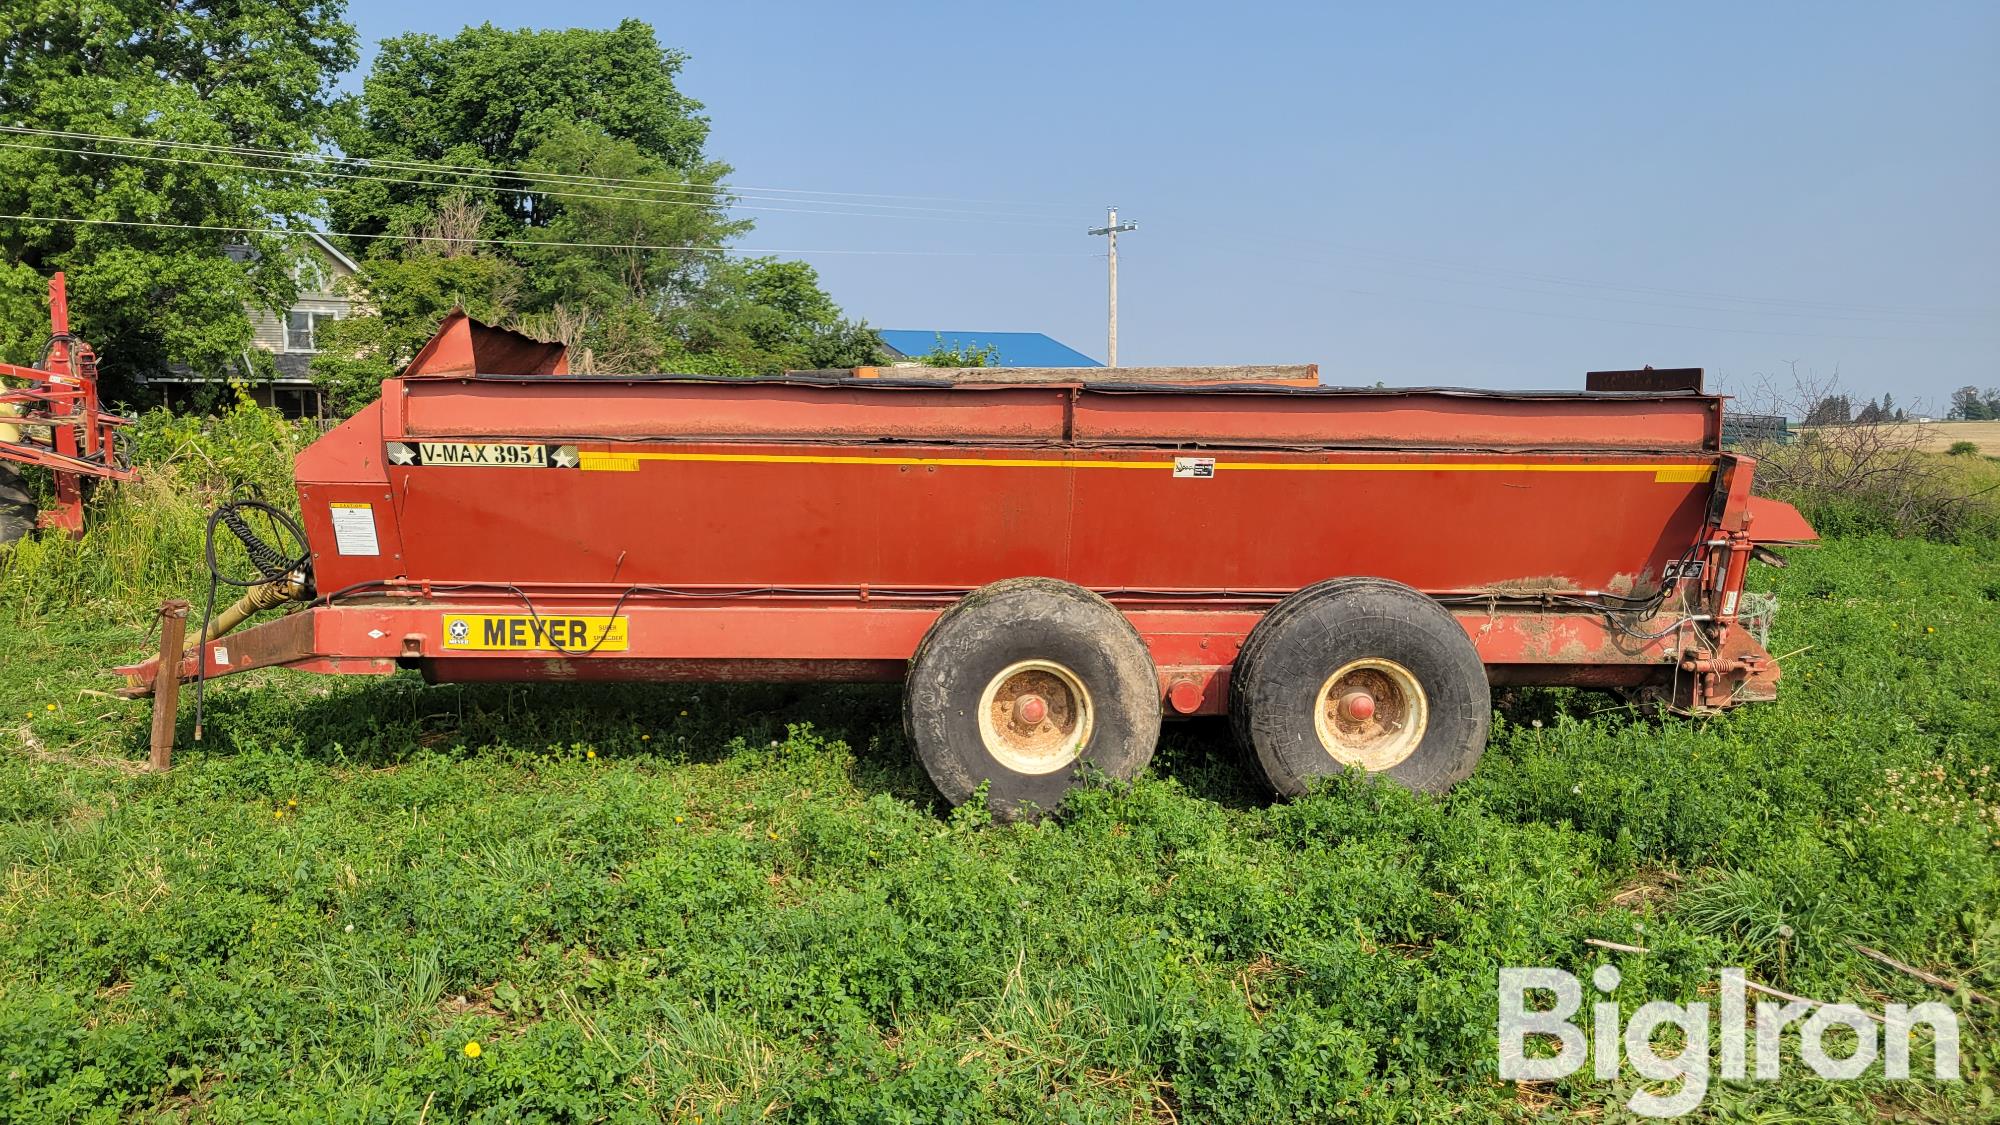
point(253, 73)
point(510, 147)
point(495, 99)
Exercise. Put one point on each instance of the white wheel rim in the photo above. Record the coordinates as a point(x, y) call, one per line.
point(1380, 733)
point(1035, 717)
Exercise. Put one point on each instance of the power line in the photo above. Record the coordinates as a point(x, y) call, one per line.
point(712, 202)
point(743, 250)
point(743, 190)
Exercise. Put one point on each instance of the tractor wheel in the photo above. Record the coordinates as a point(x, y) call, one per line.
point(1360, 673)
point(17, 508)
point(1022, 683)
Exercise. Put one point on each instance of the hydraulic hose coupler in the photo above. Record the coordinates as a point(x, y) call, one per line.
point(255, 600)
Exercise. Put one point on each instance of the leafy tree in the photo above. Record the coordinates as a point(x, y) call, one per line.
point(762, 316)
point(642, 213)
point(588, 141)
point(407, 294)
point(495, 99)
point(1967, 405)
point(957, 354)
point(245, 73)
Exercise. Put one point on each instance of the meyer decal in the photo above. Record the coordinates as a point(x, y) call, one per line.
point(489, 632)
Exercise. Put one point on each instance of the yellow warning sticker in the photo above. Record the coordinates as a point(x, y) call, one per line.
point(487, 632)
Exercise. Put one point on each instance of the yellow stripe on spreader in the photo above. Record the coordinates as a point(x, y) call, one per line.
point(604, 462)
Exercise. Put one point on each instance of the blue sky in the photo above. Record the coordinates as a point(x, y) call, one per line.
point(1471, 194)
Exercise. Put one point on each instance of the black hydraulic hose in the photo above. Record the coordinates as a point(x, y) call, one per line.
point(272, 566)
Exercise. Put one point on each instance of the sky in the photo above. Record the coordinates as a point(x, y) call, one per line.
point(1490, 195)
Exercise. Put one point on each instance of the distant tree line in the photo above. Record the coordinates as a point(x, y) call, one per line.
point(1968, 404)
point(1838, 410)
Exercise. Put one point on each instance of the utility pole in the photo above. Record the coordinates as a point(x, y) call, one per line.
point(1110, 231)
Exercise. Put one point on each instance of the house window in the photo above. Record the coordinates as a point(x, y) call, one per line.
point(302, 329)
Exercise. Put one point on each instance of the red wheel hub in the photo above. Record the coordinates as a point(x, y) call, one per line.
point(1357, 705)
point(1031, 709)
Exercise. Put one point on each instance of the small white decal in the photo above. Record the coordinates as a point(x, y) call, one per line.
point(1198, 468)
point(354, 529)
point(221, 656)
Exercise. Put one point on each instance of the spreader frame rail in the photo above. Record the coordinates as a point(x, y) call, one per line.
point(869, 637)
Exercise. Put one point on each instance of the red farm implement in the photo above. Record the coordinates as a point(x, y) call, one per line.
point(57, 422)
point(1050, 564)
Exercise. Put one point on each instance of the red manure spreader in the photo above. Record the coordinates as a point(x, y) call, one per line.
point(1051, 564)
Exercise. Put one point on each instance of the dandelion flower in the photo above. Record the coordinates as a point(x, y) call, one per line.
point(292, 803)
point(472, 1050)
point(590, 753)
point(52, 706)
point(277, 814)
point(645, 738)
point(772, 835)
point(684, 714)
point(677, 819)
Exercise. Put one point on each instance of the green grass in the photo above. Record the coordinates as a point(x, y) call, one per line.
point(745, 904)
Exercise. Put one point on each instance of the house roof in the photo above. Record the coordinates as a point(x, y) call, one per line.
point(333, 251)
point(242, 252)
point(1015, 349)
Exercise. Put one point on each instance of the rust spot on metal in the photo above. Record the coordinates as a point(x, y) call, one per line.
point(1542, 584)
point(1622, 583)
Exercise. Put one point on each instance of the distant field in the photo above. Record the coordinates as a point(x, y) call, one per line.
point(1938, 436)
point(1985, 434)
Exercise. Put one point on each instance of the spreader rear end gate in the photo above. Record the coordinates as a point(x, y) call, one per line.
point(1051, 565)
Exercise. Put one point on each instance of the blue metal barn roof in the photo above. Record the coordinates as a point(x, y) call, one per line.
point(1016, 349)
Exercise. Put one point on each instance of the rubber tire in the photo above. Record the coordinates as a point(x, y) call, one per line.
point(17, 508)
point(1308, 636)
point(1026, 619)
